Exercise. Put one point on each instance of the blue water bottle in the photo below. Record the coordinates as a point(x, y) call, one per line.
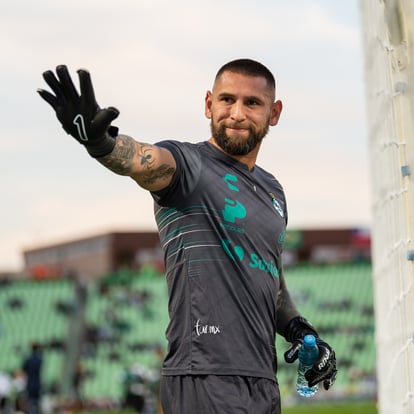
point(308, 354)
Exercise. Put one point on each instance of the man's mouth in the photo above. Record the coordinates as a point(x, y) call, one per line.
point(231, 128)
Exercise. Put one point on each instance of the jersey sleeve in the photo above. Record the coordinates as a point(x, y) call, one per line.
point(186, 176)
point(286, 309)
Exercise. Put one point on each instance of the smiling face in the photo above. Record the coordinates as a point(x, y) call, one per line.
point(241, 109)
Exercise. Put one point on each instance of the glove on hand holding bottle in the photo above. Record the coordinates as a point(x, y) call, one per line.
point(324, 368)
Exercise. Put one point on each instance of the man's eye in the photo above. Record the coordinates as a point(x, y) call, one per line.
point(252, 102)
point(227, 99)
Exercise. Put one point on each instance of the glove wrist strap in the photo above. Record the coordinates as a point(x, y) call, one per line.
point(297, 328)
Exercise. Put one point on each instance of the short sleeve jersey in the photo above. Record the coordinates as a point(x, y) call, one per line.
point(221, 228)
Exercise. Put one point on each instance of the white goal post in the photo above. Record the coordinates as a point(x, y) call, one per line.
point(388, 38)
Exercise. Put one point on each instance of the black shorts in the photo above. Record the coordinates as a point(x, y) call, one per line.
point(219, 394)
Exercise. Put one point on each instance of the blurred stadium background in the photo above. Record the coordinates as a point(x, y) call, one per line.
point(112, 324)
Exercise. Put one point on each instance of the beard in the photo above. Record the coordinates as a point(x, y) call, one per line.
point(232, 146)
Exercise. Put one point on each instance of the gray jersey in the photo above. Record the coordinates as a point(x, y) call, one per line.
point(221, 229)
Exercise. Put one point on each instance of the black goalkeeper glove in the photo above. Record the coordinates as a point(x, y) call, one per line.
point(80, 115)
point(324, 368)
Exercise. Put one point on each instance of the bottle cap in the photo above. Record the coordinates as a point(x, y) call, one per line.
point(309, 341)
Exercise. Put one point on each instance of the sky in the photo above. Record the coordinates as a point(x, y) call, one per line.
point(154, 60)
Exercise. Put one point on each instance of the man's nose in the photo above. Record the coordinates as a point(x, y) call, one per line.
point(237, 112)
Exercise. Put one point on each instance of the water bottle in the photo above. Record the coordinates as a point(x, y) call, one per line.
point(308, 353)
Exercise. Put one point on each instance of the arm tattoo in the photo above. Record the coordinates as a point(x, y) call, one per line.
point(152, 174)
point(163, 172)
point(121, 159)
point(127, 153)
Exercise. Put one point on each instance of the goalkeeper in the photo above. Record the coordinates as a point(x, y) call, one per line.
point(222, 221)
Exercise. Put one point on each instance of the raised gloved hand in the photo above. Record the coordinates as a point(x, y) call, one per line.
point(324, 369)
point(80, 115)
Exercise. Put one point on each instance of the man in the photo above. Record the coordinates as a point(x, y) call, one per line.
point(222, 221)
point(32, 367)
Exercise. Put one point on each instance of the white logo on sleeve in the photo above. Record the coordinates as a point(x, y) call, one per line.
point(80, 125)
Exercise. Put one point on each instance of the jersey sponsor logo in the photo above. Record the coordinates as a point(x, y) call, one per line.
point(258, 263)
point(233, 251)
point(233, 210)
point(240, 230)
point(237, 253)
point(206, 329)
point(229, 179)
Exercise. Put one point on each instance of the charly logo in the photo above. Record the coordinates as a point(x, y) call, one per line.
point(229, 179)
point(233, 210)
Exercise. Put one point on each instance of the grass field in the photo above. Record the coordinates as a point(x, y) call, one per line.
point(344, 408)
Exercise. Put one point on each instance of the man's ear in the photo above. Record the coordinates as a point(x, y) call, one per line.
point(275, 114)
point(207, 105)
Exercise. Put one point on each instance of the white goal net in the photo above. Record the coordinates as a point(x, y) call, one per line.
point(388, 35)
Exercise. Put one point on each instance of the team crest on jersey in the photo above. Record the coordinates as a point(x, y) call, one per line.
point(277, 206)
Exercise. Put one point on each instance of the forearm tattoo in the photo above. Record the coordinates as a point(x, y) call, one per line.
point(122, 158)
point(127, 153)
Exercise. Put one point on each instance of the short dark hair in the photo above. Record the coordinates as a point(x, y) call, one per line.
point(248, 67)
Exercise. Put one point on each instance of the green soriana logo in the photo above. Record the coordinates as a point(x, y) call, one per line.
point(233, 252)
point(263, 265)
point(236, 253)
point(232, 211)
